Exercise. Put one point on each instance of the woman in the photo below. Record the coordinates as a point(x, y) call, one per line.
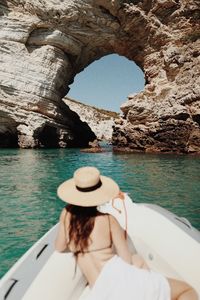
point(100, 248)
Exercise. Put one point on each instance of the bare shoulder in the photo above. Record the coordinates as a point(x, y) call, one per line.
point(113, 220)
point(106, 216)
point(115, 226)
point(102, 219)
point(63, 215)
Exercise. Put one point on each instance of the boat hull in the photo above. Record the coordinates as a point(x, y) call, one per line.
point(168, 244)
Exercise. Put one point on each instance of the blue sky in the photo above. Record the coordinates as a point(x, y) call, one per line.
point(107, 82)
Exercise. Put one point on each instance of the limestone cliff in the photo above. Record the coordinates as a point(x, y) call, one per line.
point(45, 43)
point(99, 120)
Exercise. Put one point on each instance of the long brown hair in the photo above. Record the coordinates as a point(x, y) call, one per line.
point(81, 225)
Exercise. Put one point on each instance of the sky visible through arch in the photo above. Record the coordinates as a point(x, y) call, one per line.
point(107, 82)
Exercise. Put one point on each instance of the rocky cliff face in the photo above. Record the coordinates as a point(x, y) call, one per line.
point(45, 43)
point(99, 120)
point(165, 117)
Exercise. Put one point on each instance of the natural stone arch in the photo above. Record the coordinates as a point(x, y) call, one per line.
point(46, 43)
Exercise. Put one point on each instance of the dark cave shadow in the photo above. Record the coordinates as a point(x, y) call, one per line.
point(4, 8)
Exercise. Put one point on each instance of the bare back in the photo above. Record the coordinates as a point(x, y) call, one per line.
point(106, 239)
point(100, 250)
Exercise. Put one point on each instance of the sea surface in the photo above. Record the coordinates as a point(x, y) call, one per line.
point(29, 179)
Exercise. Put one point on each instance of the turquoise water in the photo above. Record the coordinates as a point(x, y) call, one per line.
point(29, 179)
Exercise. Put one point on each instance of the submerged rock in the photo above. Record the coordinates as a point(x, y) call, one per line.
point(92, 150)
point(94, 147)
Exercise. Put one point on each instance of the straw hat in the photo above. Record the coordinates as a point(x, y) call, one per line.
point(88, 188)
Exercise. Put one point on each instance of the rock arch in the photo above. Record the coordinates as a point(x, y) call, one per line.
point(44, 44)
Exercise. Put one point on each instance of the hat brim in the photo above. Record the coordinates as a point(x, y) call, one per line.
point(68, 192)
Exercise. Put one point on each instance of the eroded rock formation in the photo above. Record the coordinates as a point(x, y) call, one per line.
point(45, 43)
point(100, 121)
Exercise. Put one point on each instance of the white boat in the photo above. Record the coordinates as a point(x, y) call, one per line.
point(169, 244)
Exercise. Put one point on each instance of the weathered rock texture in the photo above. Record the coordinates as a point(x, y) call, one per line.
point(99, 120)
point(45, 43)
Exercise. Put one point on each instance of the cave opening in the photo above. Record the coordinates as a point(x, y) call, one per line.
point(101, 88)
point(48, 137)
point(8, 131)
point(107, 82)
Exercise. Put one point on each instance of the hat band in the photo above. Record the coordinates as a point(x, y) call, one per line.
point(90, 188)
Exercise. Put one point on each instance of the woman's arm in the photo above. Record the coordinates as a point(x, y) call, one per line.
point(121, 246)
point(61, 239)
point(119, 241)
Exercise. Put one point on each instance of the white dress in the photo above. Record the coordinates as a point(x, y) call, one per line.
point(119, 280)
